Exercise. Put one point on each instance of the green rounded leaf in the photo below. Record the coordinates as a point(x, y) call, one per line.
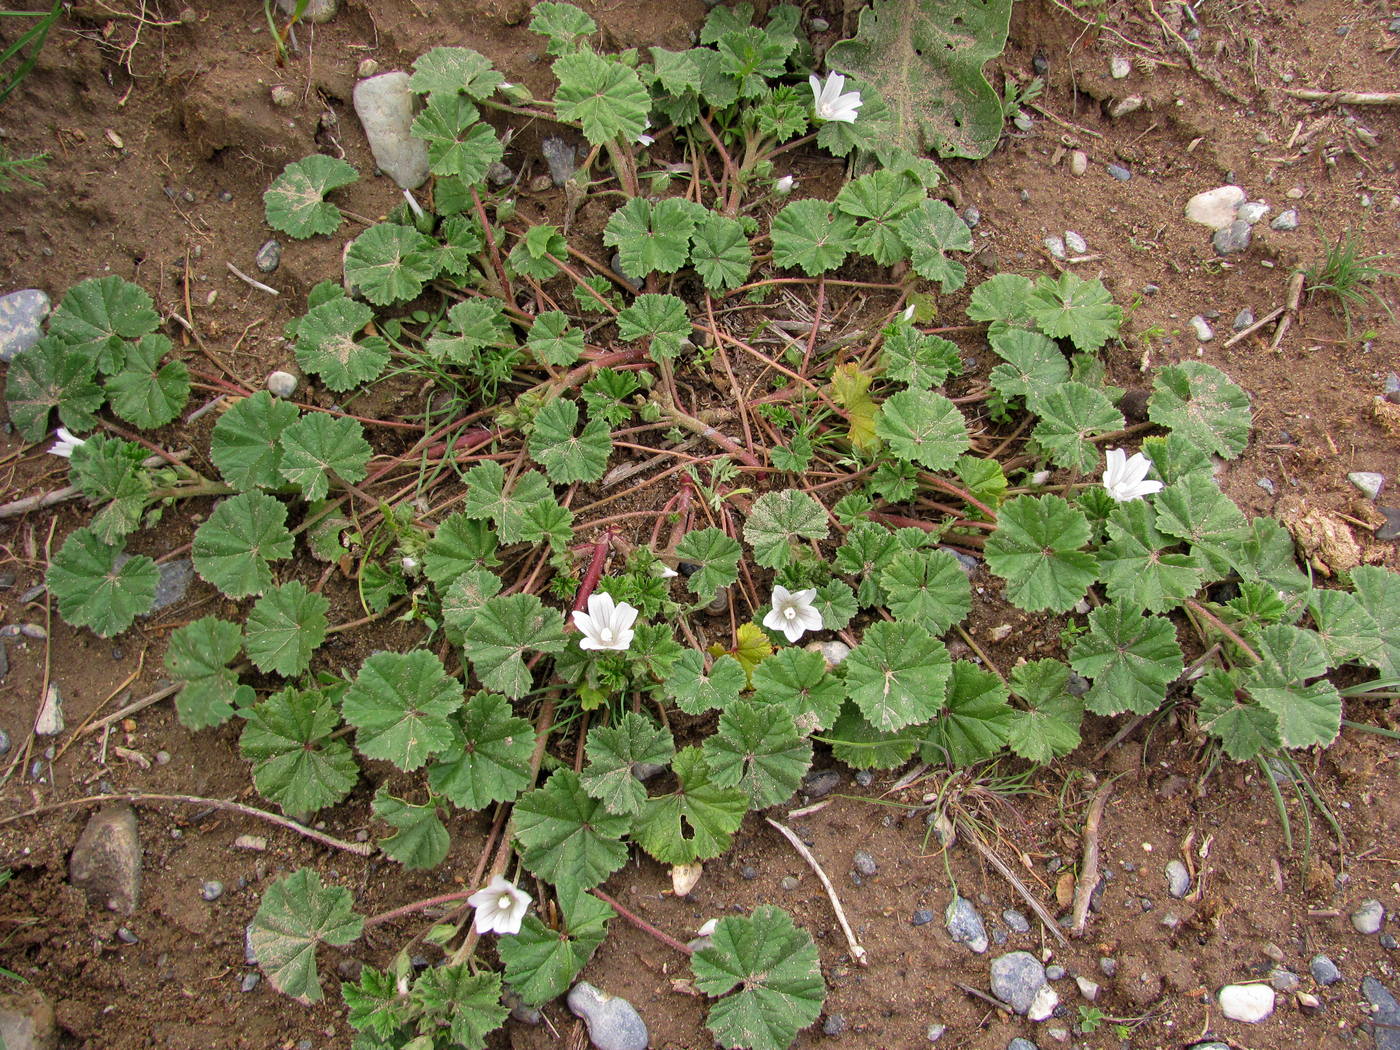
point(1131, 659)
point(1035, 549)
point(198, 655)
point(781, 519)
point(319, 447)
point(98, 586)
point(389, 263)
point(234, 549)
point(144, 393)
point(247, 441)
point(296, 202)
point(565, 455)
point(569, 838)
point(489, 755)
point(812, 236)
point(297, 914)
point(328, 347)
point(898, 675)
point(757, 749)
point(297, 763)
point(1198, 402)
point(602, 95)
point(285, 627)
point(399, 704)
point(923, 427)
point(1070, 414)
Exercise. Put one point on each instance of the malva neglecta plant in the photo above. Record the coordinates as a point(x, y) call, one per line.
point(595, 557)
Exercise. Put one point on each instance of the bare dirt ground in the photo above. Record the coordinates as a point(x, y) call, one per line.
point(163, 138)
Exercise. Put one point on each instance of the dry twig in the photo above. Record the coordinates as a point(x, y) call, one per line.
point(1006, 872)
point(1089, 868)
point(857, 952)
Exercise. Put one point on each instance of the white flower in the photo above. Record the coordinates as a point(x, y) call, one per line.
point(1126, 479)
point(66, 443)
point(793, 613)
point(645, 140)
point(409, 564)
point(909, 312)
point(830, 103)
point(784, 185)
point(606, 624)
point(500, 907)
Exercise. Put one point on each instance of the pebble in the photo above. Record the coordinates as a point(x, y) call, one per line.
point(1119, 172)
point(1021, 1043)
point(1391, 529)
point(1252, 211)
point(1392, 394)
point(1215, 208)
point(790, 882)
point(1324, 971)
point(283, 97)
point(971, 215)
point(49, 721)
point(1266, 484)
point(171, 584)
point(126, 936)
point(256, 843)
point(1243, 319)
point(21, 315)
point(1078, 162)
point(1250, 1003)
point(250, 981)
point(821, 782)
point(541, 183)
point(1178, 879)
point(864, 863)
point(106, 862)
point(613, 1023)
point(1388, 941)
point(835, 1024)
point(1368, 481)
point(1282, 980)
point(636, 284)
point(269, 255)
point(367, 68)
point(749, 872)
point(315, 11)
point(1017, 980)
point(4, 737)
point(281, 384)
point(212, 890)
point(1119, 67)
point(1233, 238)
point(27, 1020)
point(922, 917)
point(1285, 220)
point(1075, 243)
point(1202, 328)
point(819, 25)
point(864, 778)
point(385, 106)
point(1055, 246)
point(934, 1032)
point(964, 925)
point(833, 652)
point(1016, 920)
point(499, 174)
point(1087, 988)
point(559, 157)
point(1055, 972)
point(1385, 1011)
point(1108, 966)
point(1124, 106)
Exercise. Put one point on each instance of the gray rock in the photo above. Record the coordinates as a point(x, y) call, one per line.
point(1215, 208)
point(1324, 971)
point(172, 583)
point(934, 1032)
point(27, 1020)
point(1075, 243)
point(249, 982)
point(965, 925)
point(1119, 67)
point(864, 777)
point(1124, 106)
point(249, 955)
point(1232, 239)
point(22, 314)
point(1385, 1014)
point(1285, 220)
point(636, 282)
point(1178, 879)
point(281, 384)
point(1016, 920)
point(1368, 917)
point(1119, 172)
point(1250, 1003)
point(835, 1024)
point(821, 782)
point(4, 736)
point(1392, 394)
point(971, 216)
point(613, 1023)
point(1282, 980)
point(790, 882)
point(1017, 978)
point(1020, 1043)
point(922, 917)
point(1202, 328)
point(1087, 988)
point(212, 890)
point(269, 255)
point(1252, 211)
point(559, 157)
point(1054, 972)
point(1055, 246)
point(1368, 481)
point(1078, 162)
point(1391, 529)
point(316, 10)
point(4, 670)
point(1108, 966)
point(106, 862)
point(644, 771)
point(1266, 484)
point(1388, 942)
point(368, 67)
point(864, 863)
point(819, 25)
point(384, 105)
point(498, 174)
point(1243, 319)
point(49, 721)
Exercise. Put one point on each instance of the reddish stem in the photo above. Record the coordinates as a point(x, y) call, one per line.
point(641, 923)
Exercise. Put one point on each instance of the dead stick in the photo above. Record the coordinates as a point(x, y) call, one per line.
point(857, 952)
point(1089, 869)
point(363, 849)
point(38, 502)
point(1346, 98)
point(970, 835)
point(131, 708)
point(1272, 315)
point(977, 993)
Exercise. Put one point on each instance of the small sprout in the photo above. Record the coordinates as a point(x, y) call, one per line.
point(500, 906)
point(1126, 479)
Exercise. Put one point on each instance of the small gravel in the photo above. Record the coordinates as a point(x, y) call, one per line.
point(560, 158)
point(1055, 246)
point(1252, 211)
point(1119, 172)
point(211, 890)
point(1202, 328)
point(1368, 481)
point(1087, 988)
point(934, 1032)
point(835, 1025)
point(1250, 1003)
point(1075, 243)
point(281, 384)
point(1285, 981)
point(1385, 1012)
point(1078, 162)
point(1119, 66)
point(250, 981)
point(1232, 239)
point(1054, 972)
point(864, 863)
point(1178, 879)
point(1020, 1043)
point(268, 257)
point(1017, 978)
point(922, 917)
point(1368, 917)
point(1324, 971)
point(1108, 966)
point(1243, 319)
point(964, 925)
point(1016, 920)
point(1285, 220)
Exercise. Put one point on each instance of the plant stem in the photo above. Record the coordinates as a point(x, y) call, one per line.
point(416, 906)
point(1221, 626)
point(641, 923)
